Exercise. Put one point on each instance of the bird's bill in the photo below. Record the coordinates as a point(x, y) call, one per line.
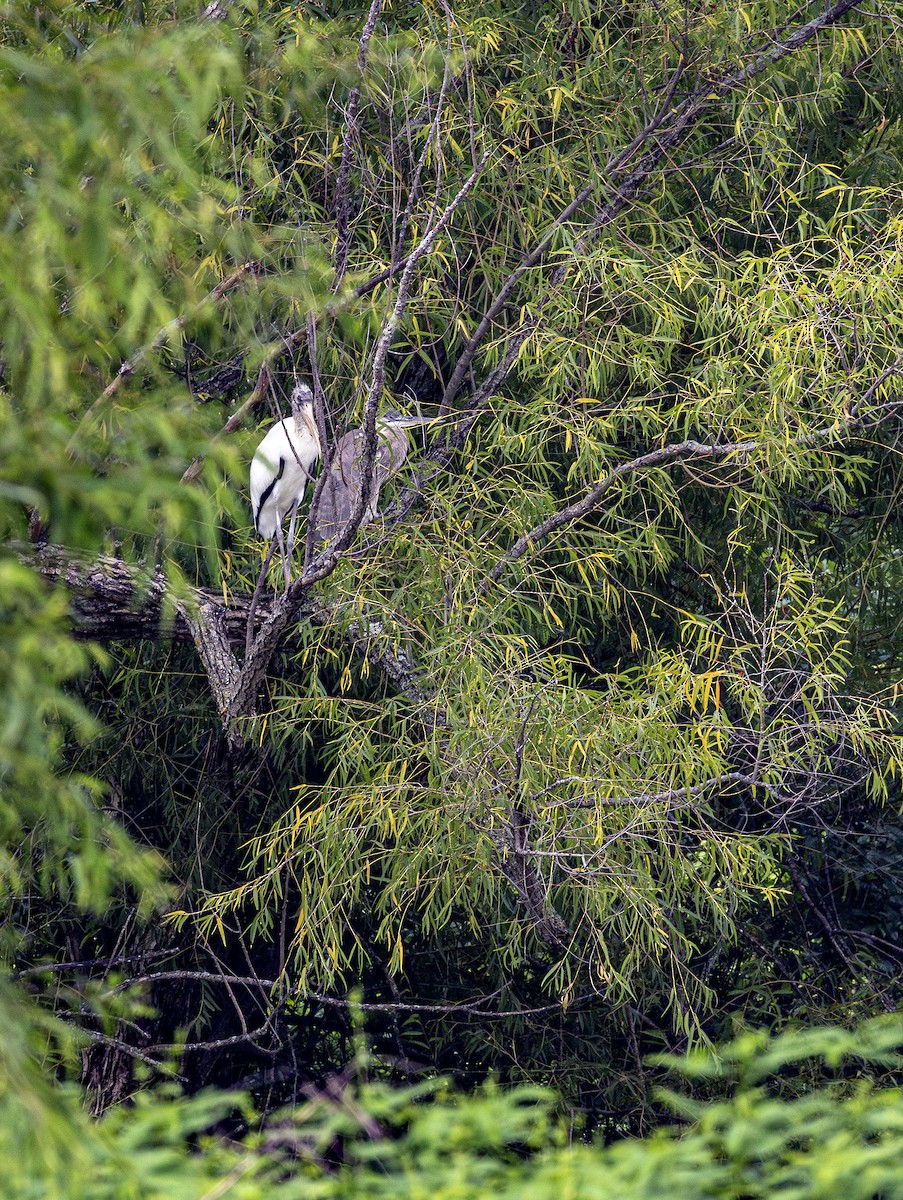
point(411, 422)
point(406, 422)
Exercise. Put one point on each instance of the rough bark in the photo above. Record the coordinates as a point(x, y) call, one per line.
point(114, 602)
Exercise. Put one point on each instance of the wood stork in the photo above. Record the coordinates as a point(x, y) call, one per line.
point(280, 469)
point(343, 480)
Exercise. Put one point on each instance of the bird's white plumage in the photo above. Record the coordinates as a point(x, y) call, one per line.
point(280, 469)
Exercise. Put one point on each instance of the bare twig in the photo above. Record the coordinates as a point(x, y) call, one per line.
point(342, 201)
point(132, 1052)
point(473, 1006)
point(326, 447)
point(163, 335)
point(476, 1006)
point(672, 798)
point(325, 563)
point(88, 963)
point(255, 598)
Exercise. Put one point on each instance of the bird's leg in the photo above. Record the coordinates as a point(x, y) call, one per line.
point(281, 538)
point(291, 527)
point(252, 607)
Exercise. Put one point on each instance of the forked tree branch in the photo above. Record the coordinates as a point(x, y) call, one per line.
point(237, 694)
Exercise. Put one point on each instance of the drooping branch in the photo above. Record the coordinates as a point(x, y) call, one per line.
point(176, 325)
point(686, 452)
point(113, 602)
point(664, 132)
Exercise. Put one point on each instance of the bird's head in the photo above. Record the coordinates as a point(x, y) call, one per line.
point(302, 402)
point(301, 396)
point(398, 420)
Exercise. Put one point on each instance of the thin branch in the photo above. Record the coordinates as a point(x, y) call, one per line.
point(476, 1006)
point(431, 139)
point(682, 452)
point(88, 963)
point(666, 130)
point(670, 797)
point(142, 1055)
point(219, 1043)
point(472, 1007)
point(255, 597)
point(197, 977)
point(469, 352)
point(130, 366)
point(327, 450)
point(342, 201)
point(664, 457)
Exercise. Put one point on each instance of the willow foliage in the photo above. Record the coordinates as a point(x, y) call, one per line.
point(581, 723)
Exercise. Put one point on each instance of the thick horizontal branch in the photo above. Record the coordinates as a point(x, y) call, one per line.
point(115, 602)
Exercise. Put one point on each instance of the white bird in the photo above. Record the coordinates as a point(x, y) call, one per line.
point(280, 469)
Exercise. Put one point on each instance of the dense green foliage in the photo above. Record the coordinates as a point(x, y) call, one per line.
point(588, 746)
point(841, 1140)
